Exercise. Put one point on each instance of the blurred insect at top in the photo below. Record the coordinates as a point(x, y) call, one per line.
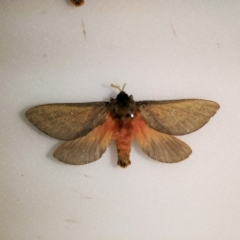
point(77, 3)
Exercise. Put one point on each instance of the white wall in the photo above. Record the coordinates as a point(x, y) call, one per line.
point(51, 51)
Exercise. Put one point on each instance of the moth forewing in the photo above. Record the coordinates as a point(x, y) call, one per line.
point(177, 117)
point(68, 121)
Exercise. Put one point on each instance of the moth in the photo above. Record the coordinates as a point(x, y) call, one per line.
point(88, 128)
point(77, 3)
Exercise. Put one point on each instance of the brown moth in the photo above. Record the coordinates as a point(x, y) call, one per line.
point(88, 128)
point(77, 3)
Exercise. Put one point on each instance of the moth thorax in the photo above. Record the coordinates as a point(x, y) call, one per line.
point(123, 106)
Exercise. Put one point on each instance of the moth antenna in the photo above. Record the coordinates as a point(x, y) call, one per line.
point(123, 86)
point(118, 87)
point(115, 86)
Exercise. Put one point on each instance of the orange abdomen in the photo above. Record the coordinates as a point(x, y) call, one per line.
point(122, 136)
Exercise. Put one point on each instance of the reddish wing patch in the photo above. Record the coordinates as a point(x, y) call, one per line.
point(88, 148)
point(159, 146)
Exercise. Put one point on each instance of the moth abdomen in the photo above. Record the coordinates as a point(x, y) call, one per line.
point(122, 136)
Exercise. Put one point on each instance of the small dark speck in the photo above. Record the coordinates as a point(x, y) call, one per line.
point(71, 221)
point(88, 176)
point(173, 29)
point(84, 30)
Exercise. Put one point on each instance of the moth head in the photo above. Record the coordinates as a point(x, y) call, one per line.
point(123, 106)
